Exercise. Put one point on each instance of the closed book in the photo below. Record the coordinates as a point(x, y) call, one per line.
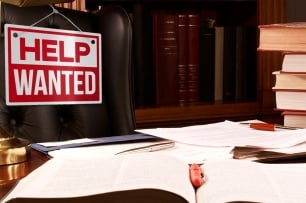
point(290, 80)
point(294, 62)
point(182, 66)
point(294, 118)
point(282, 37)
point(207, 64)
point(229, 64)
point(165, 57)
point(142, 57)
point(241, 76)
point(245, 73)
point(290, 99)
point(193, 41)
point(219, 39)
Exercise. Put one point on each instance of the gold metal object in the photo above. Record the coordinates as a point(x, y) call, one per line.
point(12, 149)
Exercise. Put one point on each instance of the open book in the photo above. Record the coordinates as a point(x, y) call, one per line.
point(151, 178)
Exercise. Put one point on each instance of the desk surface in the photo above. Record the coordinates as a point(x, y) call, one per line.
point(10, 174)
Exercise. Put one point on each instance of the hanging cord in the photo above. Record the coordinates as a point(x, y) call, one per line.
point(54, 11)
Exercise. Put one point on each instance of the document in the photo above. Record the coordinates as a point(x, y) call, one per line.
point(230, 133)
point(113, 149)
point(84, 142)
point(113, 145)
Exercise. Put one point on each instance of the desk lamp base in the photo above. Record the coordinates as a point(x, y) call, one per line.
point(13, 150)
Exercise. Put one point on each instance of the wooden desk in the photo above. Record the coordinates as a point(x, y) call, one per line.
point(10, 174)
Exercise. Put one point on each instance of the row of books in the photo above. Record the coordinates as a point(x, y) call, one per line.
point(195, 60)
point(290, 81)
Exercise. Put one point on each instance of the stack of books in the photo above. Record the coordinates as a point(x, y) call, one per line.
point(290, 83)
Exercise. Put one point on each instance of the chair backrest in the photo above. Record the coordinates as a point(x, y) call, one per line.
point(114, 116)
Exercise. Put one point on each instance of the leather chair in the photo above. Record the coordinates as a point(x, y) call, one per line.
point(114, 116)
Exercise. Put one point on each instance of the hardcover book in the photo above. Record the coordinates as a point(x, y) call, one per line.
point(294, 62)
point(165, 57)
point(207, 64)
point(290, 99)
point(193, 57)
point(182, 66)
point(219, 39)
point(290, 80)
point(294, 118)
point(282, 37)
point(152, 178)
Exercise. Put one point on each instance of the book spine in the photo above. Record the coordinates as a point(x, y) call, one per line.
point(142, 55)
point(229, 63)
point(219, 40)
point(182, 58)
point(207, 63)
point(193, 57)
point(241, 67)
point(165, 57)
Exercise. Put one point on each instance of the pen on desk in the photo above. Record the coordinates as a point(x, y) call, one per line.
point(267, 126)
point(196, 175)
point(150, 148)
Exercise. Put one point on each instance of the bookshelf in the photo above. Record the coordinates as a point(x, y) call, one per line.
point(228, 12)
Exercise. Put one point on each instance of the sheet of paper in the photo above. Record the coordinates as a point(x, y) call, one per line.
point(197, 154)
point(229, 133)
point(187, 153)
point(103, 150)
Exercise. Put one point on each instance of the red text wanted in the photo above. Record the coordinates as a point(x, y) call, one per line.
point(52, 66)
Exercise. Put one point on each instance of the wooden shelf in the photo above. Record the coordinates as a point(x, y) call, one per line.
point(194, 114)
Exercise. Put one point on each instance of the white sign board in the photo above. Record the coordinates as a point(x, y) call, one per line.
point(52, 66)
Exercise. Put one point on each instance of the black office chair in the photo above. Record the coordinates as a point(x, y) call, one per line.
point(114, 116)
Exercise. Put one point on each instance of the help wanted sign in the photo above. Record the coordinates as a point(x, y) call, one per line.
point(52, 66)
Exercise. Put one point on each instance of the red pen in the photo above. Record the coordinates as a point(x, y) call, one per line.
point(196, 175)
point(263, 126)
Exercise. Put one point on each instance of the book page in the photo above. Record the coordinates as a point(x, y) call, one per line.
point(71, 177)
point(237, 180)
